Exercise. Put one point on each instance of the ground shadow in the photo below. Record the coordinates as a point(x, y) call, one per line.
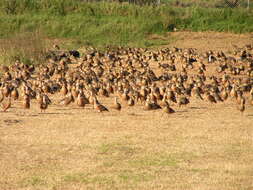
point(197, 108)
point(55, 113)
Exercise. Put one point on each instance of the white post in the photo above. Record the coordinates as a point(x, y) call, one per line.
point(248, 5)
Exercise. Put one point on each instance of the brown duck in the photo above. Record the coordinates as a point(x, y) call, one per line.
point(171, 96)
point(1, 96)
point(210, 98)
point(130, 102)
point(196, 92)
point(224, 94)
point(44, 103)
point(251, 99)
point(81, 101)
point(6, 91)
point(151, 105)
point(15, 94)
point(183, 101)
point(116, 105)
point(241, 106)
point(26, 101)
point(99, 107)
point(67, 99)
point(7, 105)
point(167, 109)
point(64, 89)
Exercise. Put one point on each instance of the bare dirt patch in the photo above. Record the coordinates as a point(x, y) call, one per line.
point(205, 41)
point(201, 146)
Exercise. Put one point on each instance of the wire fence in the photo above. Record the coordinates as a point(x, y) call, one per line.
point(186, 3)
point(237, 3)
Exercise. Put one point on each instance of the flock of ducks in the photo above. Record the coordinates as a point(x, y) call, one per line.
point(154, 79)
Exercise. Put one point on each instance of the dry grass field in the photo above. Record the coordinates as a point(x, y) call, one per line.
point(201, 146)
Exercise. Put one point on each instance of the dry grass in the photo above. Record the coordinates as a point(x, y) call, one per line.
point(68, 148)
point(201, 146)
point(28, 47)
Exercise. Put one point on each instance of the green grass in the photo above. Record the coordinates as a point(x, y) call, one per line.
point(33, 181)
point(130, 177)
point(101, 24)
point(76, 177)
point(149, 161)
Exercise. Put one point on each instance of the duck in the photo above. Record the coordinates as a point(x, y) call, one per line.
point(26, 101)
point(196, 93)
point(217, 97)
point(171, 96)
point(167, 109)
point(224, 94)
point(6, 90)
point(131, 101)
point(64, 89)
point(80, 100)
point(125, 96)
point(151, 105)
point(7, 105)
point(210, 98)
point(15, 94)
point(183, 101)
point(1, 95)
point(67, 99)
point(116, 105)
point(99, 107)
point(241, 106)
point(44, 103)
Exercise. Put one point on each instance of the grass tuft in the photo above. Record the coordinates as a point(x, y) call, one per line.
point(130, 177)
point(154, 160)
point(34, 181)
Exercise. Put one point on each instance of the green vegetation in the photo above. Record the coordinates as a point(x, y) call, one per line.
point(28, 47)
point(103, 23)
point(33, 181)
point(114, 23)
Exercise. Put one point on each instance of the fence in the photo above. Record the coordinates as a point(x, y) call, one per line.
point(186, 3)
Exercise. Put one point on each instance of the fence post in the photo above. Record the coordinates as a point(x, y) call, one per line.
point(248, 5)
